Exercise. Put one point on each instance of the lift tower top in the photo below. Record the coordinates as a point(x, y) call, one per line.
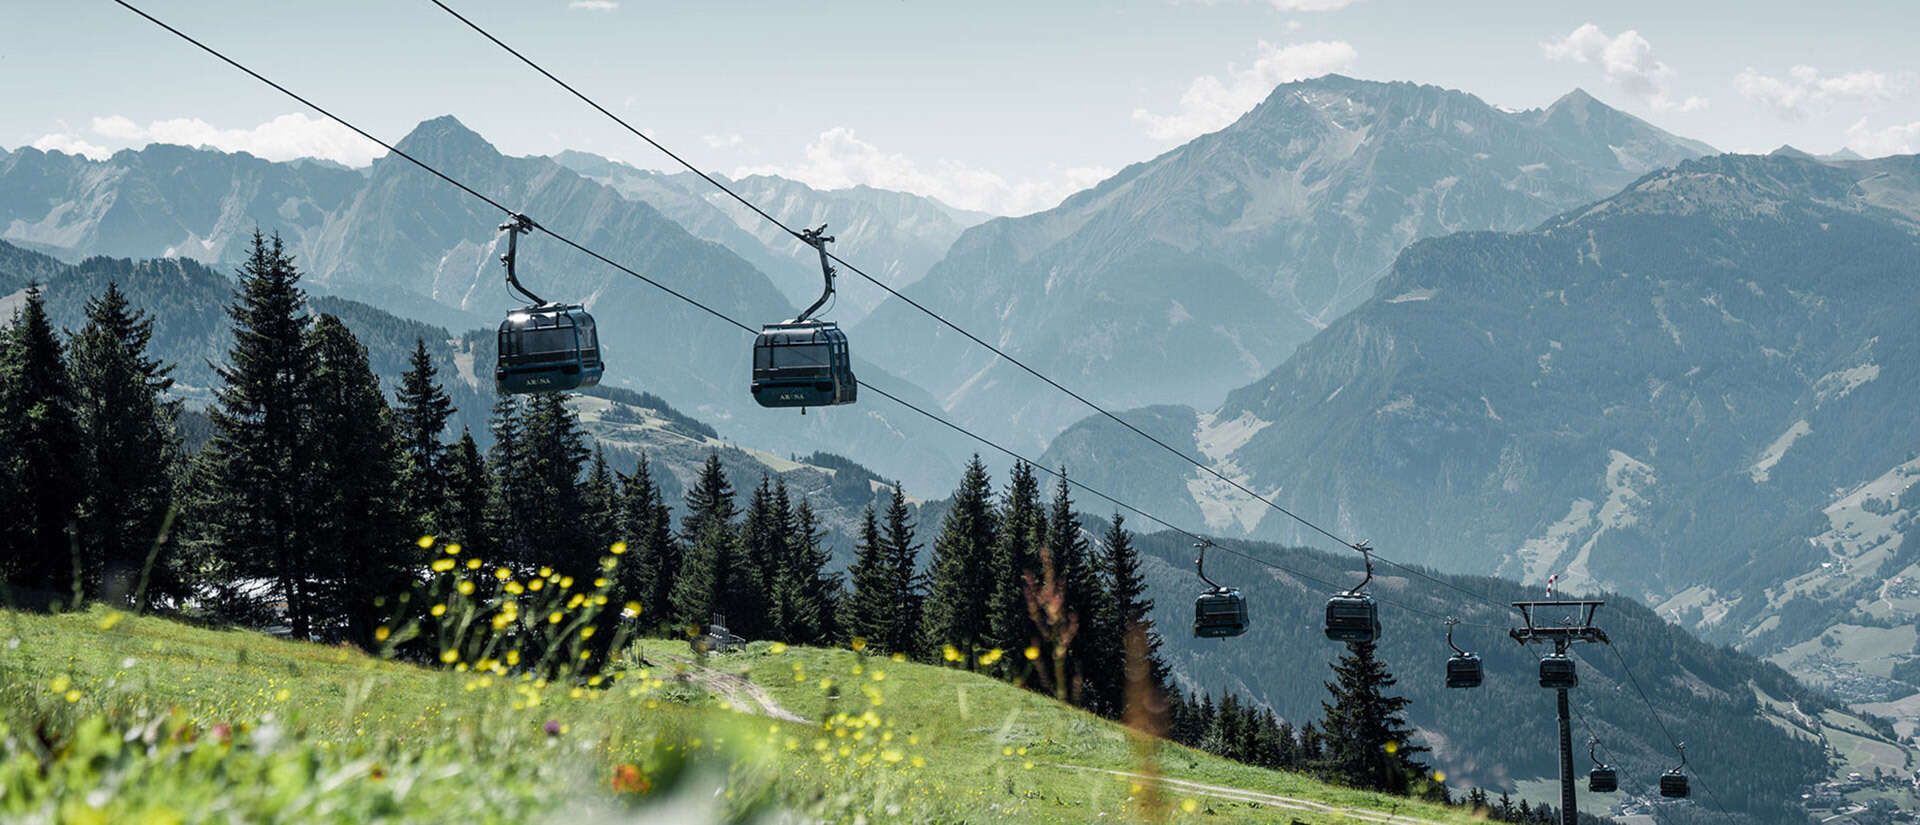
point(1575, 625)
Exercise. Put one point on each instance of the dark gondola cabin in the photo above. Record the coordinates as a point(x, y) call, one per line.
point(1673, 784)
point(1219, 613)
point(1556, 671)
point(547, 348)
point(1463, 670)
point(1353, 618)
point(1603, 779)
point(803, 364)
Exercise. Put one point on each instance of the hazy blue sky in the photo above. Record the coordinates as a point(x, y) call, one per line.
point(990, 105)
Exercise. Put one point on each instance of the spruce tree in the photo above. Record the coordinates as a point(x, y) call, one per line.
point(961, 575)
point(1078, 645)
point(600, 503)
point(512, 487)
point(554, 509)
point(422, 414)
point(1368, 744)
point(653, 556)
point(711, 569)
point(361, 539)
point(910, 594)
point(468, 494)
point(1128, 612)
point(813, 605)
point(131, 449)
point(43, 474)
point(1016, 558)
point(257, 515)
point(870, 609)
point(763, 540)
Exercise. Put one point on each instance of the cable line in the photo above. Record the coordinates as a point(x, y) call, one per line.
point(1655, 713)
point(727, 318)
point(929, 312)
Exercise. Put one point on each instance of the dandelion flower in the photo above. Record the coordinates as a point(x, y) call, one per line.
point(112, 618)
point(473, 564)
point(1189, 805)
point(381, 633)
point(502, 573)
point(1032, 653)
point(438, 610)
point(466, 588)
point(619, 548)
point(777, 647)
point(442, 565)
point(424, 542)
point(632, 610)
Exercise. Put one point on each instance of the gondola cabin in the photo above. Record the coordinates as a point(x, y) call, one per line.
point(1673, 784)
point(1219, 613)
point(1556, 671)
point(803, 364)
point(547, 348)
point(1603, 779)
point(1463, 670)
point(1353, 618)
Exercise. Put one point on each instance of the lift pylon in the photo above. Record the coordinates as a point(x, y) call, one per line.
point(1576, 625)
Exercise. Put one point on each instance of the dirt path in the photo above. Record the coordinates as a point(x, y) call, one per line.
point(740, 693)
point(1243, 795)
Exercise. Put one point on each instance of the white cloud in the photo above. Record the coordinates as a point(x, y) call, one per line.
point(1628, 62)
point(1803, 85)
point(593, 5)
point(1311, 5)
point(283, 138)
point(1212, 102)
point(839, 159)
point(72, 145)
point(727, 141)
point(1891, 140)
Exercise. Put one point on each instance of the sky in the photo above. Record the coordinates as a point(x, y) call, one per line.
point(1002, 107)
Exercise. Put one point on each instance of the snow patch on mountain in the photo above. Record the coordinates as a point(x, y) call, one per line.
point(1221, 505)
point(1412, 295)
point(1841, 383)
point(1624, 488)
point(1762, 470)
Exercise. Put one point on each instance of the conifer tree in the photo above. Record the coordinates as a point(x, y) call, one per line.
point(1016, 557)
point(653, 557)
point(710, 567)
point(256, 514)
point(1368, 744)
point(870, 609)
point(1127, 613)
point(127, 429)
point(600, 504)
point(554, 511)
point(361, 539)
point(763, 540)
point(43, 477)
point(910, 594)
point(468, 492)
point(513, 488)
point(422, 414)
point(814, 602)
point(961, 577)
point(1077, 645)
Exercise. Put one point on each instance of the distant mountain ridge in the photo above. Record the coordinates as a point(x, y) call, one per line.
point(1703, 391)
point(1184, 276)
point(894, 236)
point(394, 237)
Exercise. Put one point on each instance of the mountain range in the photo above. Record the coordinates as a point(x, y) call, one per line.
point(394, 237)
point(1702, 391)
point(1184, 276)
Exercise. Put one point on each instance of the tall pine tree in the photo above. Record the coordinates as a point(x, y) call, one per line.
point(514, 488)
point(813, 601)
point(422, 414)
point(127, 428)
point(1127, 611)
point(600, 503)
point(871, 608)
point(711, 569)
point(468, 495)
point(361, 532)
point(1367, 743)
point(43, 475)
point(962, 574)
point(1078, 644)
point(653, 557)
point(1016, 557)
point(554, 509)
point(256, 513)
point(904, 555)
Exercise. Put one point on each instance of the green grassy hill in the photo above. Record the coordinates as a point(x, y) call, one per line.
point(113, 718)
